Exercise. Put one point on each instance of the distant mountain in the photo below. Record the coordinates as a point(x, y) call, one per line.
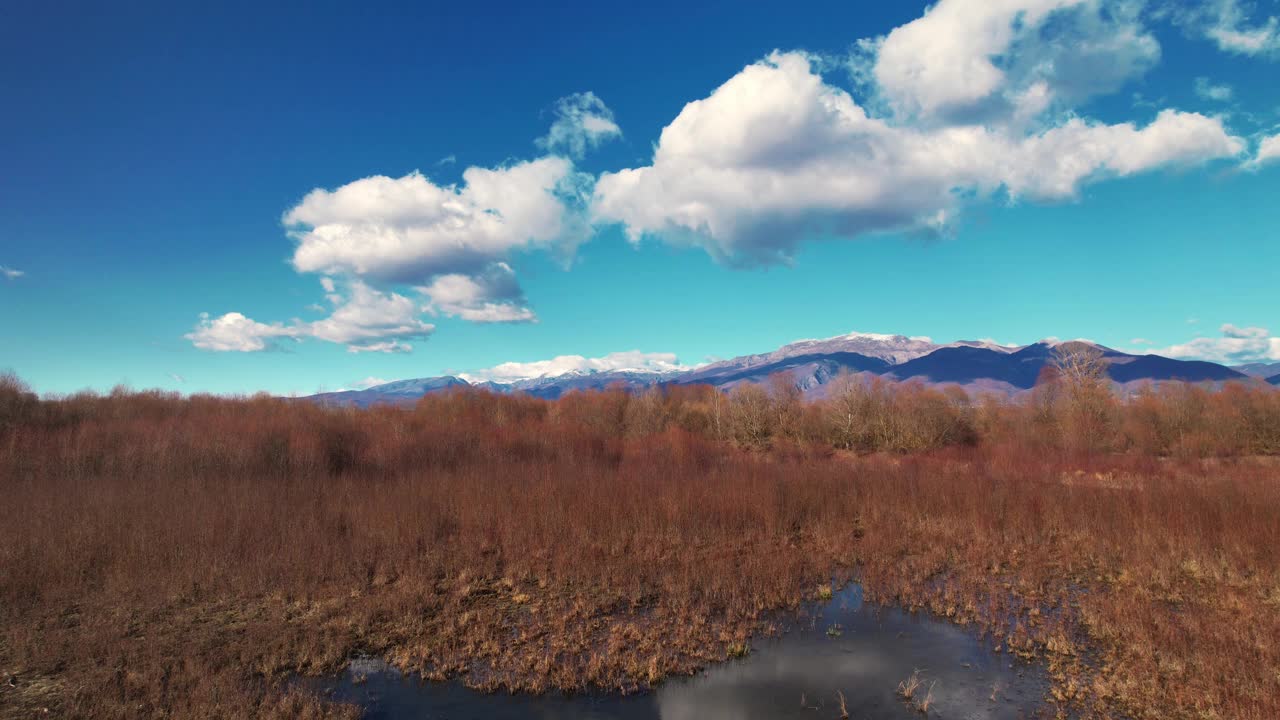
point(1261, 370)
point(967, 365)
point(812, 364)
point(408, 391)
point(1274, 380)
point(1128, 368)
point(821, 366)
point(1021, 368)
point(401, 391)
point(892, 349)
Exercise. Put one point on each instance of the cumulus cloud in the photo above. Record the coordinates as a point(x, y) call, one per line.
point(233, 332)
point(1268, 151)
point(378, 233)
point(1209, 91)
point(409, 229)
point(582, 122)
point(632, 360)
point(11, 273)
point(371, 321)
point(493, 296)
point(777, 155)
point(976, 100)
point(452, 240)
point(1237, 345)
point(965, 60)
point(365, 320)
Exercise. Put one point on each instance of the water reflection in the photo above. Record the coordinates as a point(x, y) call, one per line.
point(797, 675)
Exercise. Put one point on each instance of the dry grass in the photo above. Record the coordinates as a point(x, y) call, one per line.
point(180, 557)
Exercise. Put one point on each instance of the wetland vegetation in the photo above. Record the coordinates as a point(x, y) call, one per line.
point(187, 556)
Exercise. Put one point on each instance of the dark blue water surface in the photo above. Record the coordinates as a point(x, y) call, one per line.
point(799, 674)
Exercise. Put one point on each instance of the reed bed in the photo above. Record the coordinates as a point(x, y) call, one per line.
point(172, 556)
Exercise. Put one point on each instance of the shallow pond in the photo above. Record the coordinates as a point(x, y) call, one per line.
point(796, 675)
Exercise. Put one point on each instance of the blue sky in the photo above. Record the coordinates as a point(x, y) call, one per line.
point(1008, 170)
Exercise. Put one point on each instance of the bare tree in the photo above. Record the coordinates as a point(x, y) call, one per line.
point(1085, 401)
point(751, 415)
point(1080, 364)
point(785, 398)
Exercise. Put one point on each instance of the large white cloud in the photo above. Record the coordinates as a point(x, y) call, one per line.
point(976, 99)
point(380, 232)
point(966, 59)
point(1236, 346)
point(365, 320)
point(409, 229)
point(946, 58)
point(629, 360)
point(453, 239)
point(777, 155)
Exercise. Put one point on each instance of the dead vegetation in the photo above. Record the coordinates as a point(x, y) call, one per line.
point(169, 556)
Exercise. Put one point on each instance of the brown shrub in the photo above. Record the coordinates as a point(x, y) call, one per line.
point(179, 556)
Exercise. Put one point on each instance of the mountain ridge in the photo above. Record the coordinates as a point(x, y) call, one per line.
point(977, 365)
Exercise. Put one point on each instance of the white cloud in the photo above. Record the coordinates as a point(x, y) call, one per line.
point(582, 122)
point(177, 378)
point(1268, 151)
point(454, 239)
point(386, 347)
point(970, 60)
point(1209, 91)
point(367, 383)
point(776, 155)
point(1237, 345)
point(1228, 24)
point(233, 332)
point(11, 273)
point(366, 320)
point(633, 360)
point(976, 100)
point(409, 229)
point(1243, 333)
point(1253, 41)
point(493, 296)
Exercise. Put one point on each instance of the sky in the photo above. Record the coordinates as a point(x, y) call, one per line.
point(232, 198)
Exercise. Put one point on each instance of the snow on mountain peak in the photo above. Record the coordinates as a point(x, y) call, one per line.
point(986, 344)
point(890, 348)
point(576, 365)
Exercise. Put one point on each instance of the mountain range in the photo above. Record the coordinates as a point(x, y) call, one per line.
point(981, 366)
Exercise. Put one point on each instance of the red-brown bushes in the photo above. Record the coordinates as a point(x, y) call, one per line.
point(210, 545)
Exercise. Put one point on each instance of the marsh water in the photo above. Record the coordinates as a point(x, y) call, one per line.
point(795, 675)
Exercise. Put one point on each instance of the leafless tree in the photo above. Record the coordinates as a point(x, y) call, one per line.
point(751, 415)
point(1085, 400)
